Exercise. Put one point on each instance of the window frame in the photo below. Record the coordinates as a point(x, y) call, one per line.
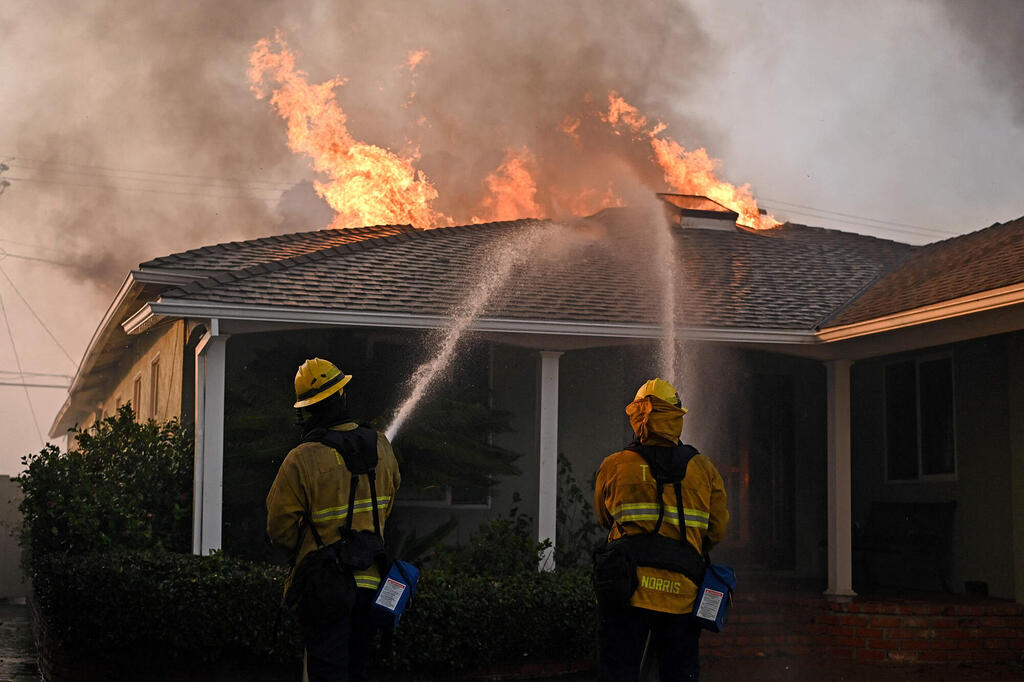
point(154, 387)
point(446, 503)
point(137, 396)
point(921, 477)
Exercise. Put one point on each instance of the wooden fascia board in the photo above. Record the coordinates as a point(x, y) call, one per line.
point(957, 307)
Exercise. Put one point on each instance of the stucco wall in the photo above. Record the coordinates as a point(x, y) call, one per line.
point(983, 527)
point(165, 343)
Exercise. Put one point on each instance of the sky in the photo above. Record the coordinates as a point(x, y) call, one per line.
point(130, 131)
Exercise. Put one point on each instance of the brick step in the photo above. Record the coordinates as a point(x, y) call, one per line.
point(863, 630)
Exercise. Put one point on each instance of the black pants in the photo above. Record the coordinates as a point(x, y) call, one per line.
point(340, 651)
point(622, 633)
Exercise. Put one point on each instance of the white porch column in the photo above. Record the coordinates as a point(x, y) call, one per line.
point(547, 489)
point(208, 491)
point(840, 517)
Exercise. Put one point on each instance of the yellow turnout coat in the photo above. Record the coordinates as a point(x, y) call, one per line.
point(313, 480)
point(626, 502)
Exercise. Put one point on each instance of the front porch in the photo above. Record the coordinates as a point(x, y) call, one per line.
point(775, 616)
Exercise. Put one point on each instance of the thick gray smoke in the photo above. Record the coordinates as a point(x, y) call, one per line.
point(996, 30)
point(135, 133)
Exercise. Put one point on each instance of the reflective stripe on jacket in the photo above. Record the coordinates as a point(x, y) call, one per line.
point(313, 477)
point(626, 493)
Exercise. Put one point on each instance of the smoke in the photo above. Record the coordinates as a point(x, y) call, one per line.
point(995, 28)
point(134, 133)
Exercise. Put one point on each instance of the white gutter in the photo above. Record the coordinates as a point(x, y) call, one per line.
point(150, 313)
point(169, 277)
point(957, 307)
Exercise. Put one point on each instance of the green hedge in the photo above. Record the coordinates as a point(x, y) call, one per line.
point(158, 606)
point(125, 485)
point(164, 606)
point(459, 622)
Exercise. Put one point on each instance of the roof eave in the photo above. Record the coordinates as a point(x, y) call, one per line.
point(152, 312)
point(957, 307)
point(124, 300)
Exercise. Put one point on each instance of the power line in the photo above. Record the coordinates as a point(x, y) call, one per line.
point(885, 223)
point(49, 165)
point(17, 360)
point(4, 253)
point(35, 374)
point(38, 319)
point(850, 222)
point(134, 189)
point(28, 385)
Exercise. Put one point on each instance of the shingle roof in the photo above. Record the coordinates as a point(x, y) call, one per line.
point(235, 255)
point(788, 278)
point(980, 261)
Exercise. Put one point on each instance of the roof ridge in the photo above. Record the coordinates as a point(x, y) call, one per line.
point(858, 235)
point(248, 271)
point(286, 238)
point(973, 233)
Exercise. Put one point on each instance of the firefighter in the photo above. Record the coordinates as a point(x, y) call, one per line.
point(658, 616)
point(314, 483)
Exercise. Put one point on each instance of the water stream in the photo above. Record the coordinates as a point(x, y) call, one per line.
point(558, 241)
point(667, 265)
point(495, 272)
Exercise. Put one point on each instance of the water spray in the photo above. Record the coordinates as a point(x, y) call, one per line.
point(495, 272)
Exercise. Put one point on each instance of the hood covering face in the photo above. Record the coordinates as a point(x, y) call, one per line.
point(656, 422)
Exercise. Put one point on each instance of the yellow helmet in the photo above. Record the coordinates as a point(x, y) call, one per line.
point(659, 388)
point(316, 380)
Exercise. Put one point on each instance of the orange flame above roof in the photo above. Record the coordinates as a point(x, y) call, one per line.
point(687, 172)
point(368, 185)
point(512, 189)
point(371, 185)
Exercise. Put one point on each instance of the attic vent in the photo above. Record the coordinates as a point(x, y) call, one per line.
point(695, 212)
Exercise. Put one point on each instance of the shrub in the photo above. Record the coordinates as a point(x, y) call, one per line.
point(461, 621)
point(154, 608)
point(159, 606)
point(500, 548)
point(124, 485)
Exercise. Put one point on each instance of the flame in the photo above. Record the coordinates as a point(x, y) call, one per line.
point(512, 188)
point(570, 126)
point(368, 185)
point(687, 172)
point(586, 201)
point(413, 59)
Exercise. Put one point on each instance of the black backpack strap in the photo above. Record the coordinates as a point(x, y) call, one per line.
point(373, 501)
point(351, 500)
point(661, 505)
point(316, 535)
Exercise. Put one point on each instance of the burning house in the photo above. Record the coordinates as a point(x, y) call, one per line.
point(832, 377)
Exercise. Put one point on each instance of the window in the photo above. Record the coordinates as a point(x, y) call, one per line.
point(446, 496)
point(137, 396)
point(154, 386)
point(920, 437)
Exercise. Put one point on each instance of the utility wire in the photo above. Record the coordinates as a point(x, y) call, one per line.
point(35, 374)
point(28, 385)
point(885, 223)
point(17, 360)
point(38, 319)
point(4, 253)
point(48, 165)
point(850, 222)
point(134, 189)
